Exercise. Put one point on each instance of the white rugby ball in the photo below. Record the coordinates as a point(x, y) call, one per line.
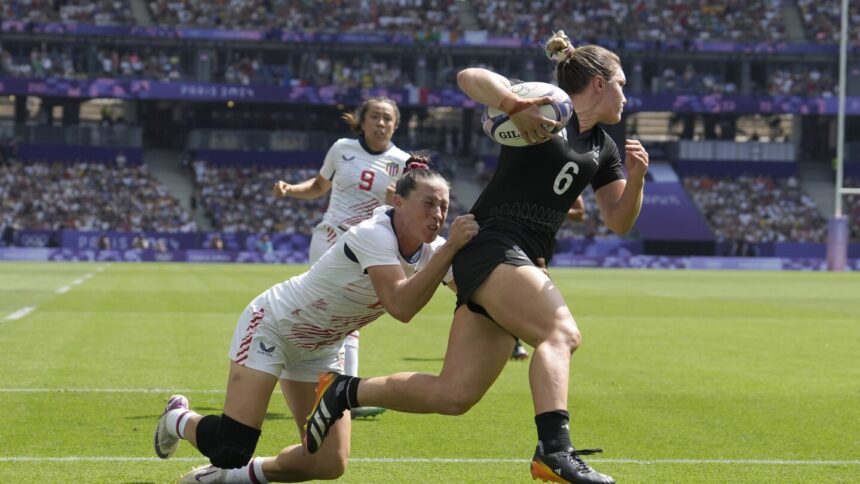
point(498, 126)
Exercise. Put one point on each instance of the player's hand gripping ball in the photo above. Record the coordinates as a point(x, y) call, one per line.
point(498, 125)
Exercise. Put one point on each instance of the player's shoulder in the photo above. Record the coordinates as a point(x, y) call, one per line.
point(398, 154)
point(345, 144)
point(377, 227)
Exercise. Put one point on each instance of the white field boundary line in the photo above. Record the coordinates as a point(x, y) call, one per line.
point(60, 290)
point(19, 313)
point(443, 460)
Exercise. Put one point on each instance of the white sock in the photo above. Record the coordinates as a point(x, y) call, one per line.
point(350, 357)
point(176, 421)
point(244, 475)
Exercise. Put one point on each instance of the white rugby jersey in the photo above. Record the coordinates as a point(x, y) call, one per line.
point(336, 297)
point(360, 178)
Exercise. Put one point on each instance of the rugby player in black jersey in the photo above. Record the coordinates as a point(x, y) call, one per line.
point(502, 290)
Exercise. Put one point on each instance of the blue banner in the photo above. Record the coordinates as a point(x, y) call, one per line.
point(332, 95)
point(669, 214)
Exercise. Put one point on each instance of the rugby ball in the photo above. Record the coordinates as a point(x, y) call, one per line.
point(498, 126)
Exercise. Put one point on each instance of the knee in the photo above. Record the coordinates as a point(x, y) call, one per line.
point(566, 336)
point(457, 402)
point(228, 444)
point(332, 469)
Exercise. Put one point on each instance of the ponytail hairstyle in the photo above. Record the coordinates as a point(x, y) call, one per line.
point(576, 66)
point(416, 170)
point(355, 119)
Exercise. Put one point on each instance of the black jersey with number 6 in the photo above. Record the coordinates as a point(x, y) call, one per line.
point(534, 186)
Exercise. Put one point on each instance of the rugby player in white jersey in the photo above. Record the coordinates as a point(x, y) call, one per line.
point(361, 174)
point(292, 333)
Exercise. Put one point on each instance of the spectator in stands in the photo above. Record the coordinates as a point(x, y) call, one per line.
point(103, 242)
point(217, 243)
point(750, 210)
point(89, 196)
point(264, 244)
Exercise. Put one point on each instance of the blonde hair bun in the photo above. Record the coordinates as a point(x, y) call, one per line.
point(558, 47)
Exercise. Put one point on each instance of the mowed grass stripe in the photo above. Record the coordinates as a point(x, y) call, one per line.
point(708, 368)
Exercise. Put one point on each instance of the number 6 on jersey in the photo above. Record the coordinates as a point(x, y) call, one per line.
point(564, 180)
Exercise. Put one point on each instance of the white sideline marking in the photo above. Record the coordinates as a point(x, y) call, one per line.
point(77, 282)
point(106, 390)
point(19, 313)
point(63, 289)
point(443, 460)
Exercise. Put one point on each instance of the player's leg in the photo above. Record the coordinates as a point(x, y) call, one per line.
point(294, 463)
point(229, 440)
point(463, 381)
point(523, 300)
point(350, 360)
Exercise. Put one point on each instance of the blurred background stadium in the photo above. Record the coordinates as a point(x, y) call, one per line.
point(153, 130)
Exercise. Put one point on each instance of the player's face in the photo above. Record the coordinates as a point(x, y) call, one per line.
point(425, 209)
point(378, 125)
point(612, 98)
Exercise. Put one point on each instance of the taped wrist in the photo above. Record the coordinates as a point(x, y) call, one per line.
point(512, 105)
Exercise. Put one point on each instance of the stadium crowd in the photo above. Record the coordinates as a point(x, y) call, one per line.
point(120, 64)
point(656, 20)
point(98, 12)
point(88, 196)
point(753, 209)
point(375, 16)
point(239, 199)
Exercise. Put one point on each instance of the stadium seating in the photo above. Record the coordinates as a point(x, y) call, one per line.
point(757, 209)
point(88, 196)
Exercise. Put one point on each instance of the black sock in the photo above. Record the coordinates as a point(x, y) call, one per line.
point(348, 393)
point(554, 431)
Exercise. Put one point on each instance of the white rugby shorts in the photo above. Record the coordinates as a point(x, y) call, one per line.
point(257, 344)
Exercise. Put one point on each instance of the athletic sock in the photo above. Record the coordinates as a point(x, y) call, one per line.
point(347, 392)
point(250, 474)
point(176, 421)
point(554, 431)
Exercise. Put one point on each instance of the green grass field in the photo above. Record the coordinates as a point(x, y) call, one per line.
point(683, 377)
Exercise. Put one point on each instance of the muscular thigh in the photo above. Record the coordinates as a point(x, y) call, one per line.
point(524, 301)
point(478, 349)
point(248, 395)
point(300, 398)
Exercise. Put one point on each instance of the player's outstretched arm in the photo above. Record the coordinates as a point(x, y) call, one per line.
point(401, 296)
point(309, 189)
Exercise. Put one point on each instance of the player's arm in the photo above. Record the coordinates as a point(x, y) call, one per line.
point(491, 89)
point(404, 296)
point(311, 188)
point(620, 201)
point(576, 212)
